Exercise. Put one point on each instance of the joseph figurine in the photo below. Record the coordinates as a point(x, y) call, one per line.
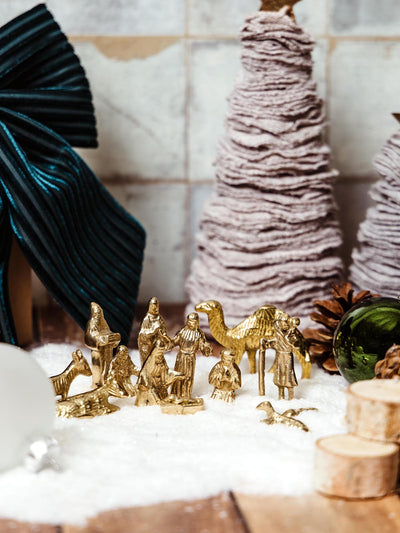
point(190, 340)
point(101, 341)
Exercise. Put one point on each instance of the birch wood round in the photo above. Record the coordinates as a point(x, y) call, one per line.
point(349, 467)
point(373, 409)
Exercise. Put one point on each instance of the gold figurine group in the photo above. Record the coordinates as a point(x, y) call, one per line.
point(157, 384)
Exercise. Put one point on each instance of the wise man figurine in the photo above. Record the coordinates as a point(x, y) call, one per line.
point(101, 341)
point(226, 377)
point(190, 340)
point(153, 327)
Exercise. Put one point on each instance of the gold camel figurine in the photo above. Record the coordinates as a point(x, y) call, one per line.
point(62, 382)
point(246, 336)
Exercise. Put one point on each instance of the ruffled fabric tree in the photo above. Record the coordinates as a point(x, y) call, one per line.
point(269, 233)
point(376, 261)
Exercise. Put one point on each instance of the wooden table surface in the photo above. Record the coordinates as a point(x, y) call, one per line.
point(227, 512)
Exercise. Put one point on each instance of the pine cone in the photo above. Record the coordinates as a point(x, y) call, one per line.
point(389, 367)
point(329, 313)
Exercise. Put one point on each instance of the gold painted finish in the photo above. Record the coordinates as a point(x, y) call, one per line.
point(246, 336)
point(283, 367)
point(225, 376)
point(277, 5)
point(152, 328)
point(78, 366)
point(190, 340)
point(182, 406)
point(102, 341)
point(155, 378)
point(286, 418)
point(95, 402)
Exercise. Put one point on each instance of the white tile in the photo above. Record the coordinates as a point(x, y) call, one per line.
point(199, 194)
point(108, 17)
point(353, 200)
point(364, 92)
point(161, 210)
point(219, 17)
point(139, 106)
point(214, 66)
point(366, 17)
point(320, 65)
point(312, 15)
point(226, 17)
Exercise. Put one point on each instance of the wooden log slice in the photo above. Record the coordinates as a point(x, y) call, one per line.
point(349, 467)
point(373, 409)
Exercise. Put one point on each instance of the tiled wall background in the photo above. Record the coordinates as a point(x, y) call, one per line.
point(161, 70)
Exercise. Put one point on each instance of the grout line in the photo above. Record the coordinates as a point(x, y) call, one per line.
point(187, 217)
point(222, 37)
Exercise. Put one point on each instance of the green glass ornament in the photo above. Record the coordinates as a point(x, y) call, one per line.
point(364, 335)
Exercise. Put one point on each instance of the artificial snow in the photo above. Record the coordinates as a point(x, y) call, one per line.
point(139, 456)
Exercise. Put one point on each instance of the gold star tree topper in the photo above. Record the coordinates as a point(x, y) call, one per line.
point(277, 5)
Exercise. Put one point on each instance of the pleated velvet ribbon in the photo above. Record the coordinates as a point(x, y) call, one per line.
point(80, 242)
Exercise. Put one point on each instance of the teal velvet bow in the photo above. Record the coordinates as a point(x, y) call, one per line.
point(80, 242)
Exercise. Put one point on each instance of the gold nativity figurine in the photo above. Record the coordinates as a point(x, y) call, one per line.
point(283, 367)
point(225, 377)
point(95, 402)
point(190, 339)
point(153, 325)
point(246, 336)
point(157, 384)
point(286, 418)
point(172, 389)
point(155, 378)
point(78, 366)
point(101, 341)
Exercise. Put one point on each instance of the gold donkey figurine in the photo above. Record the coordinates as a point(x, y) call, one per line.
point(246, 336)
point(78, 366)
point(102, 341)
point(95, 402)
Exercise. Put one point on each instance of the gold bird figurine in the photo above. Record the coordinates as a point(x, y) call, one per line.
point(285, 418)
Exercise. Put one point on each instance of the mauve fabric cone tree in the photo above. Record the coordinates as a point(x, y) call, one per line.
point(269, 233)
point(376, 260)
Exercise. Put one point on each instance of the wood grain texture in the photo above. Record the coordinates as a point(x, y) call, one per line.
point(319, 514)
point(12, 526)
point(20, 289)
point(216, 515)
point(224, 513)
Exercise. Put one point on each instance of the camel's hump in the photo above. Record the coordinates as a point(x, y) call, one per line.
point(259, 323)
